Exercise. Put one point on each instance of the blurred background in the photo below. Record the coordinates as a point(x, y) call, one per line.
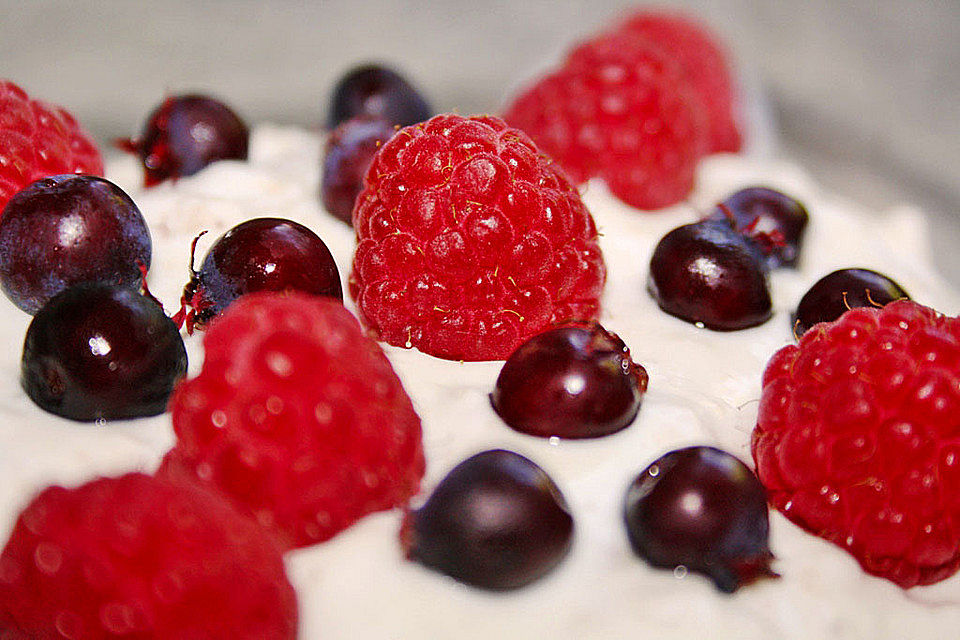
point(866, 93)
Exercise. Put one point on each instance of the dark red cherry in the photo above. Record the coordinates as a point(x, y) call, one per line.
point(350, 148)
point(841, 291)
point(101, 351)
point(772, 219)
point(185, 134)
point(704, 510)
point(496, 521)
point(64, 230)
point(378, 91)
point(263, 254)
point(708, 274)
point(570, 382)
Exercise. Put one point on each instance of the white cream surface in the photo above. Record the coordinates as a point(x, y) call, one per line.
point(704, 388)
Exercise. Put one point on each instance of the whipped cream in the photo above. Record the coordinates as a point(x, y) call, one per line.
point(704, 389)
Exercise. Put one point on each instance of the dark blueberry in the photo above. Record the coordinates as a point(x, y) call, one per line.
point(571, 382)
point(497, 521)
point(68, 229)
point(185, 134)
point(377, 91)
point(101, 351)
point(350, 148)
point(708, 274)
point(263, 254)
point(772, 219)
point(841, 291)
point(704, 510)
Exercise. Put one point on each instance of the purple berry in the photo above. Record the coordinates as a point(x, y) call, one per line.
point(702, 509)
point(263, 254)
point(571, 382)
point(64, 230)
point(841, 291)
point(101, 351)
point(706, 273)
point(350, 148)
point(185, 134)
point(496, 521)
point(377, 91)
point(772, 219)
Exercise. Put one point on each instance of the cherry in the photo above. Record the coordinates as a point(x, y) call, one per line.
point(703, 509)
point(708, 274)
point(772, 219)
point(841, 291)
point(101, 351)
point(350, 148)
point(262, 254)
point(571, 382)
point(378, 91)
point(496, 521)
point(185, 134)
point(63, 230)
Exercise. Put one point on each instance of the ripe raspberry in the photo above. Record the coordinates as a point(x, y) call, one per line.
point(858, 438)
point(621, 110)
point(470, 241)
point(298, 417)
point(138, 557)
point(704, 65)
point(39, 140)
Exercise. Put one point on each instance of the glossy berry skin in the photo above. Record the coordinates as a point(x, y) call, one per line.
point(835, 293)
point(68, 229)
point(707, 274)
point(378, 91)
point(772, 219)
point(185, 134)
point(496, 521)
point(262, 254)
point(570, 382)
point(349, 151)
point(701, 508)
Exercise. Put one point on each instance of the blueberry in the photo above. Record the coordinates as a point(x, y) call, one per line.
point(350, 148)
point(842, 290)
point(770, 218)
point(379, 91)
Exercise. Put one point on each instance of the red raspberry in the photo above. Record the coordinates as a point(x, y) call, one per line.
point(471, 241)
point(858, 438)
point(621, 110)
point(704, 64)
point(298, 417)
point(138, 557)
point(39, 140)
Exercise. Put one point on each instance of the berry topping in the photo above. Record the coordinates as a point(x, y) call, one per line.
point(298, 417)
point(858, 438)
point(186, 133)
point(55, 233)
point(377, 91)
point(39, 140)
point(496, 521)
point(842, 290)
point(708, 274)
point(703, 509)
point(470, 241)
point(263, 254)
point(772, 219)
point(137, 557)
point(101, 351)
point(571, 382)
point(350, 148)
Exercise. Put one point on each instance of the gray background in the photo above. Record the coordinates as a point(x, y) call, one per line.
point(866, 93)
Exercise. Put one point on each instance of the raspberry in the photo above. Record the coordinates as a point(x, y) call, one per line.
point(704, 65)
point(298, 417)
point(138, 557)
point(858, 438)
point(471, 241)
point(621, 110)
point(39, 140)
